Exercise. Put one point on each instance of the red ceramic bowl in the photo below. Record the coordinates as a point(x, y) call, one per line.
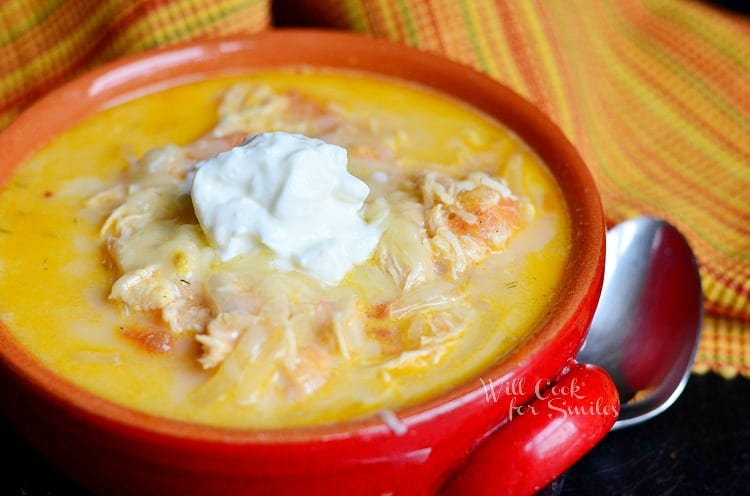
point(512, 430)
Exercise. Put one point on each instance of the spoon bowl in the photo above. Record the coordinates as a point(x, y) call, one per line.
point(647, 325)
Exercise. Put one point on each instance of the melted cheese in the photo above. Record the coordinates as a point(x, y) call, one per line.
point(55, 284)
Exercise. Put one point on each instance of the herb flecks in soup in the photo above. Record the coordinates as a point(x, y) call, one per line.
point(468, 236)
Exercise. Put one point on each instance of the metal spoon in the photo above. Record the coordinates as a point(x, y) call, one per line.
point(646, 328)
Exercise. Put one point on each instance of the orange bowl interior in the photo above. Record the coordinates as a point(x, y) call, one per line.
point(145, 73)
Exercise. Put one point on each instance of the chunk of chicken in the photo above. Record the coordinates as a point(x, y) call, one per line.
point(210, 145)
point(145, 289)
point(252, 109)
point(466, 220)
point(310, 370)
point(142, 207)
point(222, 334)
point(402, 255)
point(187, 313)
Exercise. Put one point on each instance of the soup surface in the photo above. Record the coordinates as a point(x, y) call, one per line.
point(107, 277)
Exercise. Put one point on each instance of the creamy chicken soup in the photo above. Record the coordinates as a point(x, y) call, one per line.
point(458, 238)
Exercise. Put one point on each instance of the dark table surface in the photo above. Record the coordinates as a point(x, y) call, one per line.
point(700, 446)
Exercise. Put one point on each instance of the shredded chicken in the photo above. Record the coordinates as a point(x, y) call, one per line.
point(144, 289)
point(267, 333)
point(466, 220)
point(402, 254)
point(252, 109)
point(221, 335)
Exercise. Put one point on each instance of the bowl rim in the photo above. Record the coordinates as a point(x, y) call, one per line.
point(142, 73)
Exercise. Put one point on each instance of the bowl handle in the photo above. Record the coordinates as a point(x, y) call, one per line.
point(544, 437)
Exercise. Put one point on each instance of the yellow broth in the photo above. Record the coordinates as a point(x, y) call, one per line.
point(54, 284)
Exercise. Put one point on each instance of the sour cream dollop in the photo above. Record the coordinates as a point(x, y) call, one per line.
point(291, 194)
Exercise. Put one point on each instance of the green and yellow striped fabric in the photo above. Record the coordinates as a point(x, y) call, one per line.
point(45, 42)
point(654, 93)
